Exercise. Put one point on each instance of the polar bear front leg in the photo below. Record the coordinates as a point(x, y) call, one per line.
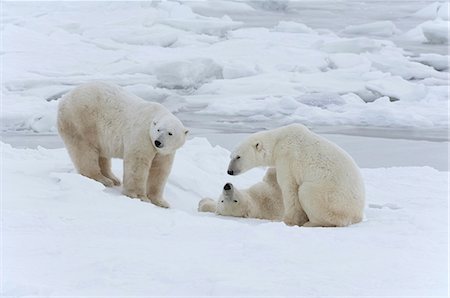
point(135, 175)
point(294, 215)
point(157, 179)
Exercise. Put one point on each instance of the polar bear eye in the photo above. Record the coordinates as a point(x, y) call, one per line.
point(170, 133)
point(222, 201)
point(238, 157)
point(158, 130)
point(235, 201)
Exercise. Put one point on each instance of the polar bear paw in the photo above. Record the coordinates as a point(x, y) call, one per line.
point(294, 219)
point(158, 202)
point(134, 195)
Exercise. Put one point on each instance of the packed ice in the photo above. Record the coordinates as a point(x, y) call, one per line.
point(214, 61)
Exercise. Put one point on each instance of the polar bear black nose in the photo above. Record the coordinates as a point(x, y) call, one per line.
point(227, 186)
point(158, 144)
point(230, 172)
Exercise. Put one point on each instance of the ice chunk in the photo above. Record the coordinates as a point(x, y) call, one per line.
point(397, 64)
point(436, 31)
point(187, 73)
point(238, 70)
point(275, 5)
point(43, 123)
point(293, 27)
point(433, 10)
point(443, 11)
point(348, 60)
point(159, 35)
point(321, 99)
point(380, 28)
point(398, 89)
point(428, 12)
point(438, 62)
point(351, 45)
point(220, 6)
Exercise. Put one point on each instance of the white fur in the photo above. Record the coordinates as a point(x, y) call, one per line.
point(320, 182)
point(98, 121)
point(262, 200)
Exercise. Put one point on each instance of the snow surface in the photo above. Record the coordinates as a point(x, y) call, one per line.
point(218, 69)
point(64, 234)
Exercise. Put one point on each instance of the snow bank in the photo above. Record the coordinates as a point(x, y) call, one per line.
point(381, 28)
point(64, 234)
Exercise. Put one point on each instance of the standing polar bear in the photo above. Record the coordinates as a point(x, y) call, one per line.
point(320, 182)
point(98, 121)
point(262, 200)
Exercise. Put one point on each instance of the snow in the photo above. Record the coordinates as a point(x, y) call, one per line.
point(380, 28)
point(64, 234)
point(168, 50)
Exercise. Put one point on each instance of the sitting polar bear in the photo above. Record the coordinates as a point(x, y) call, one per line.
point(98, 121)
point(320, 182)
point(262, 200)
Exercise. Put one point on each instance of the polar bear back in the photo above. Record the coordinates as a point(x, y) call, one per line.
point(107, 116)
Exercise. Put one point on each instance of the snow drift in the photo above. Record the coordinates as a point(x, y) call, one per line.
point(64, 234)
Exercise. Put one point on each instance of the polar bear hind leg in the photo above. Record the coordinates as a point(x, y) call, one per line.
point(105, 168)
point(317, 204)
point(86, 159)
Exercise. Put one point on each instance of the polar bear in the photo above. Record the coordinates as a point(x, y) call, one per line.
point(262, 200)
point(99, 121)
point(320, 182)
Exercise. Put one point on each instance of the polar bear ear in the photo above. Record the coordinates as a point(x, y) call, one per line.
point(186, 131)
point(258, 146)
point(154, 122)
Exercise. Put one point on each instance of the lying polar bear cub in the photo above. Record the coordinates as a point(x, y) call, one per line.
point(98, 121)
point(320, 182)
point(262, 200)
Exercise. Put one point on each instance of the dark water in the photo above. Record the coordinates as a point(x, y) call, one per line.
point(368, 152)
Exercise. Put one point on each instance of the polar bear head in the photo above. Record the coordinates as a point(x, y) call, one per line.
point(167, 134)
point(233, 202)
point(255, 151)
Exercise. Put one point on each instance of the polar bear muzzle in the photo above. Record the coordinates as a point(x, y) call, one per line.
point(232, 168)
point(228, 186)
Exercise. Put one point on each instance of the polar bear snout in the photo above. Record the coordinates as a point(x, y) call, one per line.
point(158, 144)
point(228, 186)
